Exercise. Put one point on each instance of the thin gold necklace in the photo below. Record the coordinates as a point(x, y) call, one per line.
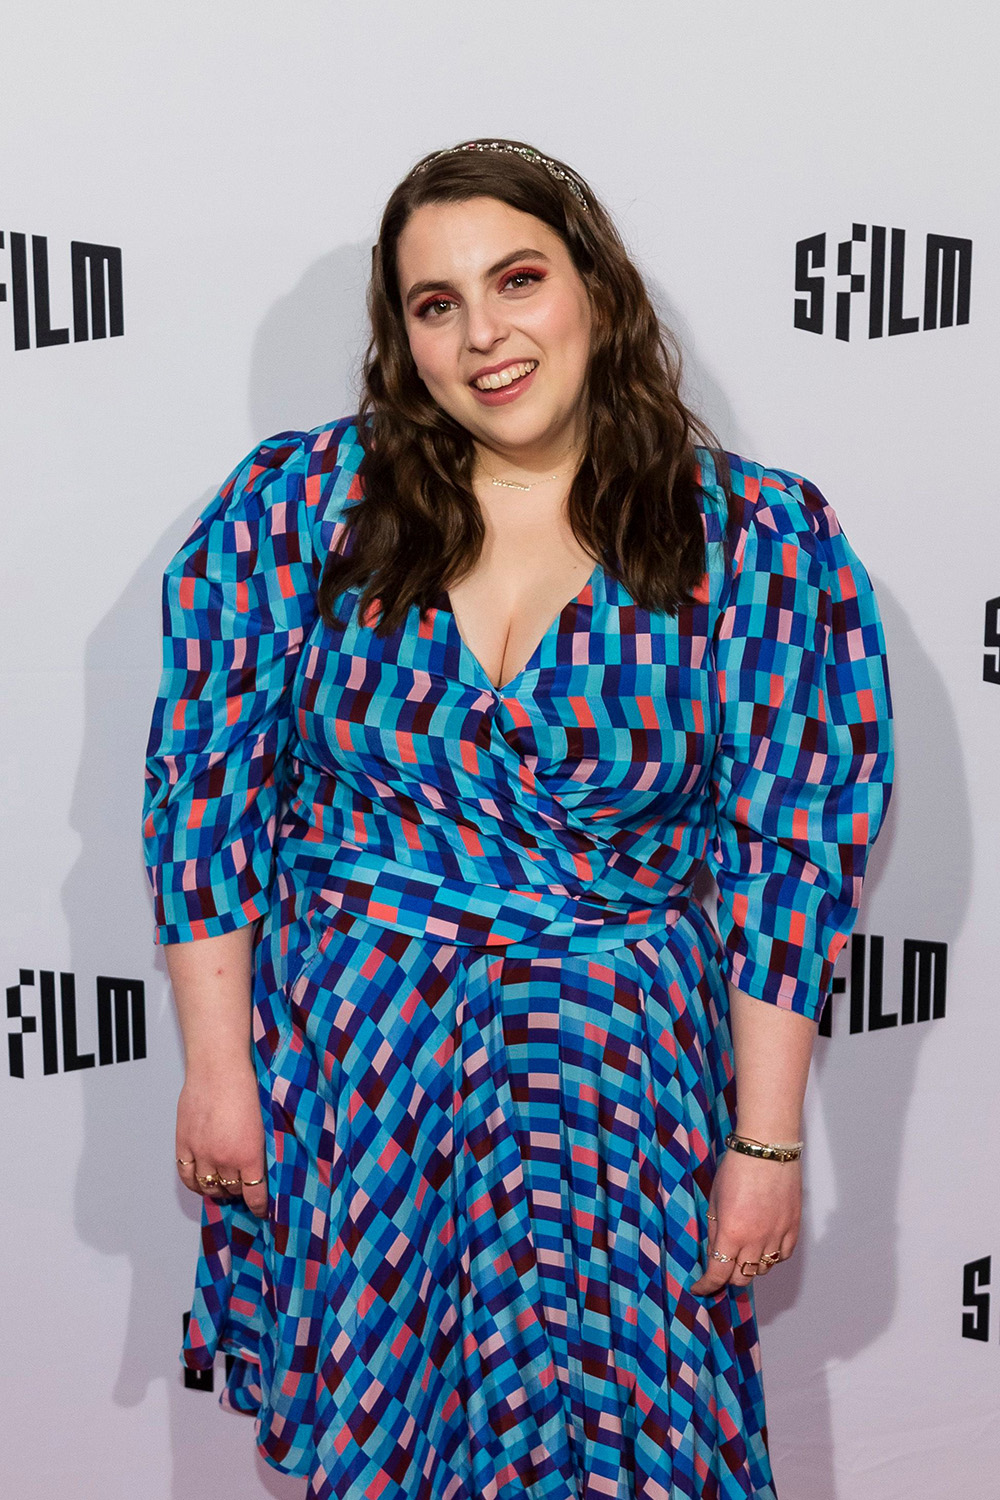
point(511, 484)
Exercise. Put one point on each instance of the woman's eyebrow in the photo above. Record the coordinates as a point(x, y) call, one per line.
point(419, 287)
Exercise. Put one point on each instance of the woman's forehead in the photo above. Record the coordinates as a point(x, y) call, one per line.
point(474, 233)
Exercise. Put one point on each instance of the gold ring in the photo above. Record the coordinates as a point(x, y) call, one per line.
point(253, 1181)
point(718, 1255)
point(182, 1163)
point(210, 1180)
point(745, 1263)
point(229, 1182)
point(712, 1216)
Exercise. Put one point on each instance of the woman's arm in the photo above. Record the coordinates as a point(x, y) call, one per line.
point(772, 1050)
point(219, 1126)
point(800, 783)
point(758, 1204)
point(239, 600)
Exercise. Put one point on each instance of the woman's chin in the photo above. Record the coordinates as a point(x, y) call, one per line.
point(512, 429)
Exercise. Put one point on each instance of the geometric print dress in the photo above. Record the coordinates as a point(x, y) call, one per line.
point(490, 1011)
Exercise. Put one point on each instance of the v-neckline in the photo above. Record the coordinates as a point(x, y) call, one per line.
point(553, 625)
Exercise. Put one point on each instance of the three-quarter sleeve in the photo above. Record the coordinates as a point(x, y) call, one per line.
point(803, 764)
point(238, 599)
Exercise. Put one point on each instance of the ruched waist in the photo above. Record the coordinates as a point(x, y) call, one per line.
point(490, 917)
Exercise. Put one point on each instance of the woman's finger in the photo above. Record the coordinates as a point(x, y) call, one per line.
point(704, 1285)
point(255, 1188)
point(230, 1182)
point(769, 1260)
point(206, 1180)
point(186, 1169)
point(718, 1269)
point(746, 1266)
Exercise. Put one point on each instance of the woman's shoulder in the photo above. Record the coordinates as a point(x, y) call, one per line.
point(320, 462)
point(295, 481)
point(282, 506)
point(767, 501)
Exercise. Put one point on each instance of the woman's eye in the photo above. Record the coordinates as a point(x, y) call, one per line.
point(438, 302)
point(523, 278)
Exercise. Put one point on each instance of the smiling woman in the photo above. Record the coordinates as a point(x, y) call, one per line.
point(487, 259)
point(459, 697)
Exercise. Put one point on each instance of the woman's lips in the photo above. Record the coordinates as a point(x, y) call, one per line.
point(506, 392)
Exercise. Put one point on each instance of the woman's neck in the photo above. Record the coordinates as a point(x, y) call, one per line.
point(529, 466)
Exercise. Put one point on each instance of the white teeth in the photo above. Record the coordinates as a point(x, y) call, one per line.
point(497, 381)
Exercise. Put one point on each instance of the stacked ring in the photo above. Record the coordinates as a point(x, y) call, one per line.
point(253, 1181)
point(771, 1258)
point(209, 1180)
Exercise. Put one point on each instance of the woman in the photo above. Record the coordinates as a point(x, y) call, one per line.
point(459, 697)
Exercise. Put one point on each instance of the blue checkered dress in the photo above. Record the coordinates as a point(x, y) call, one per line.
point(490, 1016)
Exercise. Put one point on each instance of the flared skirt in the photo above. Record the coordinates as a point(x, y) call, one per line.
point(489, 1177)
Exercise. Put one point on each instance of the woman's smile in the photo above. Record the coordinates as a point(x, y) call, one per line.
point(495, 376)
point(511, 382)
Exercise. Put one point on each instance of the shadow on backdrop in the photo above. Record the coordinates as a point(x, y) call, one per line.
point(309, 346)
point(699, 387)
point(838, 1294)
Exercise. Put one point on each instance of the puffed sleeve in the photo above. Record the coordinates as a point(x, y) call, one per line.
point(238, 599)
point(803, 764)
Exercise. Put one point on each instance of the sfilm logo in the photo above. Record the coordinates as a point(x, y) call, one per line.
point(976, 1299)
point(923, 983)
point(991, 642)
point(95, 273)
point(946, 293)
point(121, 1022)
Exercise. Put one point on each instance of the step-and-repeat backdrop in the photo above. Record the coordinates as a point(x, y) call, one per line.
point(187, 203)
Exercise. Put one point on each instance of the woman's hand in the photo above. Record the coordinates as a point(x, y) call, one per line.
point(220, 1137)
point(220, 1130)
point(756, 1205)
point(758, 1208)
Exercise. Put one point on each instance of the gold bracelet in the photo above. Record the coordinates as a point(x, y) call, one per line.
point(790, 1151)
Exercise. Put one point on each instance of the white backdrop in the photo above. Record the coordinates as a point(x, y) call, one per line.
point(238, 157)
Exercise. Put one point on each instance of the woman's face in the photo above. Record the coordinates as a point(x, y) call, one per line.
point(486, 288)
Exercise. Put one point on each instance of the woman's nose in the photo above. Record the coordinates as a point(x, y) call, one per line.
point(484, 324)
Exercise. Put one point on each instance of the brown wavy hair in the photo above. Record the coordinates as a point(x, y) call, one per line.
point(633, 503)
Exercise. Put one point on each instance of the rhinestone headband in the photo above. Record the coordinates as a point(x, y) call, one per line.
point(553, 168)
